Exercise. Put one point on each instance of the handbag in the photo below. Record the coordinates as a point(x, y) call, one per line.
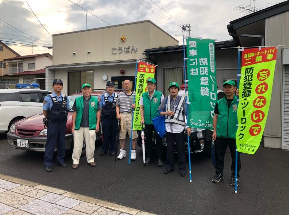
point(159, 124)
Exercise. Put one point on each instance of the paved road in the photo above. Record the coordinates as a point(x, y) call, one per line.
point(264, 185)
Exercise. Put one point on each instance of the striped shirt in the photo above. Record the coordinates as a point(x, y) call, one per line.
point(125, 102)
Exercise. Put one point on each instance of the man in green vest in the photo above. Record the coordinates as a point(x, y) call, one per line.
point(84, 121)
point(225, 126)
point(149, 103)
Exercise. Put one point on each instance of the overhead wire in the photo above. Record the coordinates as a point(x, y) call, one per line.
point(156, 11)
point(98, 17)
point(165, 12)
point(38, 19)
point(13, 28)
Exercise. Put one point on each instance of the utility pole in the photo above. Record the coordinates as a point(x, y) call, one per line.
point(32, 47)
point(186, 27)
point(86, 21)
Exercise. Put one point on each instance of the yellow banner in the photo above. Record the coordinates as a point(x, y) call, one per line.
point(143, 73)
point(258, 67)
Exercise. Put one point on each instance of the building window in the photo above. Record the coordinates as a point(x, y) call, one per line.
point(8, 83)
point(31, 66)
point(15, 68)
point(28, 80)
point(172, 75)
point(1, 48)
point(77, 78)
point(119, 80)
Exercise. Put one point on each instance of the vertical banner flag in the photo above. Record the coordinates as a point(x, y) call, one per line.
point(257, 74)
point(202, 89)
point(143, 73)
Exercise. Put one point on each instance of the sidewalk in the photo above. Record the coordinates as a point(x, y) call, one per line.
point(20, 197)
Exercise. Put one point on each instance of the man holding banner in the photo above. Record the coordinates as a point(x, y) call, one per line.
point(149, 104)
point(225, 127)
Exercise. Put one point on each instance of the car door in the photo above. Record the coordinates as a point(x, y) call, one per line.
point(31, 103)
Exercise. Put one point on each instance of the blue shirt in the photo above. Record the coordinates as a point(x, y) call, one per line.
point(47, 103)
point(110, 98)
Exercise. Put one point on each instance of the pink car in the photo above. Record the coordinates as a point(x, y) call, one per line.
point(30, 133)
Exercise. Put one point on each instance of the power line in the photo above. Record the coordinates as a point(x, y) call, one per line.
point(158, 13)
point(18, 30)
point(9, 42)
point(20, 37)
point(89, 12)
point(165, 12)
point(38, 19)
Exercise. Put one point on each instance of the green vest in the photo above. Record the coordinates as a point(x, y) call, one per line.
point(227, 119)
point(151, 106)
point(92, 112)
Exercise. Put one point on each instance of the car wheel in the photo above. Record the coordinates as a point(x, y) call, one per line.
point(13, 121)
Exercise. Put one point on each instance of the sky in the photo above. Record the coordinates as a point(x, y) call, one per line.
point(20, 29)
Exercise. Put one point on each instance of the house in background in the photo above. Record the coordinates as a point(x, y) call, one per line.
point(25, 70)
point(6, 52)
point(101, 54)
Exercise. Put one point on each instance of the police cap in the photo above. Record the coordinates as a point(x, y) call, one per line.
point(57, 81)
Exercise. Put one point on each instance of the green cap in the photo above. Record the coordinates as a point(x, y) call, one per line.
point(86, 85)
point(229, 82)
point(152, 80)
point(173, 84)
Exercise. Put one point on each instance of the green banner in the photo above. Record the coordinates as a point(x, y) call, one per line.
point(143, 73)
point(258, 67)
point(202, 89)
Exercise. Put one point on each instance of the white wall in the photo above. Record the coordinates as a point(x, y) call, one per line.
point(42, 62)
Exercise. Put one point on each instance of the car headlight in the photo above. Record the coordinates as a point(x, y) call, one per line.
point(43, 132)
point(12, 128)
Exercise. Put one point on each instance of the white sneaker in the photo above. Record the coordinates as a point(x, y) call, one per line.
point(122, 154)
point(133, 154)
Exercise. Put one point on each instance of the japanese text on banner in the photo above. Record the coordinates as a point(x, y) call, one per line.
point(258, 67)
point(202, 89)
point(143, 73)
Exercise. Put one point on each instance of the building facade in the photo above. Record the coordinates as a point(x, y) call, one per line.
point(270, 27)
point(25, 70)
point(102, 54)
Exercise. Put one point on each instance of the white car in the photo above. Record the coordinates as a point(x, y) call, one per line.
point(16, 104)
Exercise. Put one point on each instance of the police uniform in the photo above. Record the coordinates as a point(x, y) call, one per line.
point(109, 121)
point(56, 107)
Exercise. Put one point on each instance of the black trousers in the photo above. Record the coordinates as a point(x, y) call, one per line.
point(149, 129)
point(221, 145)
point(179, 139)
point(109, 127)
point(55, 138)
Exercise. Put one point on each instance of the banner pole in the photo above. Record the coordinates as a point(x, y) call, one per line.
point(188, 143)
point(238, 82)
point(134, 93)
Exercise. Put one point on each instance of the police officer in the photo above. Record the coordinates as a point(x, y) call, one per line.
point(109, 120)
point(149, 103)
point(55, 107)
point(224, 124)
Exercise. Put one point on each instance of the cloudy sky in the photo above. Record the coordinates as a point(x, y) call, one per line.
point(208, 18)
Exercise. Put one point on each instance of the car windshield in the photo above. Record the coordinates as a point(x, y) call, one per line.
point(71, 100)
